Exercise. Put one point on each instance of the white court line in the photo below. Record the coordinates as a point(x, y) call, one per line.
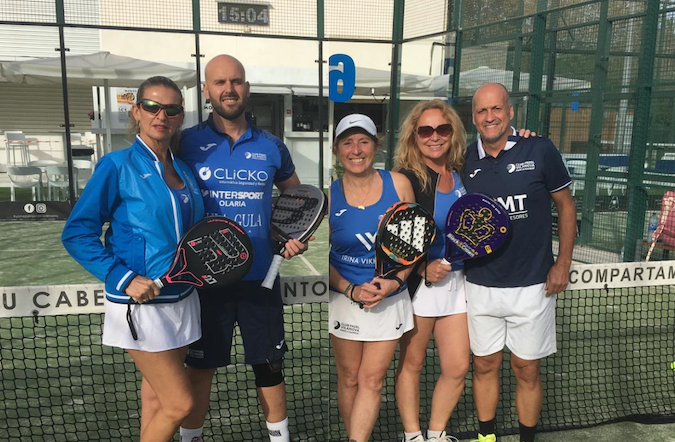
point(309, 265)
point(31, 250)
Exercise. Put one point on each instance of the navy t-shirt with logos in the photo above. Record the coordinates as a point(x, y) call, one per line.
point(236, 180)
point(521, 178)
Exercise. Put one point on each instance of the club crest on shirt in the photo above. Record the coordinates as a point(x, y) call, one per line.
point(255, 156)
point(520, 167)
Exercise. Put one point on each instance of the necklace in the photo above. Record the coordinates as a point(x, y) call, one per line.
point(361, 206)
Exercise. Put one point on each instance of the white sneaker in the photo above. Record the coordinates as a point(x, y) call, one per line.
point(443, 438)
point(418, 438)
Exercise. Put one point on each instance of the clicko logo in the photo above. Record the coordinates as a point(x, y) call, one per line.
point(241, 175)
point(511, 168)
point(29, 208)
point(205, 173)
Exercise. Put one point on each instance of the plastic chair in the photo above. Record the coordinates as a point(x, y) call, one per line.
point(84, 172)
point(25, 177)
point(16, 141)
point(57, 178)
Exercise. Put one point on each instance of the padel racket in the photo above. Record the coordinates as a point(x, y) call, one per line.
point(296, 215)
point(476, 226)
point(215, 252)
point(666, 207)
point(404, 236)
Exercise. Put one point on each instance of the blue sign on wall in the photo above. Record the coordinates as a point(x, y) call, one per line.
point(342, 72)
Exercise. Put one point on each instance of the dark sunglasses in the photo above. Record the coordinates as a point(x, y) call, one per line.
point(153, 107)
point(443, 130)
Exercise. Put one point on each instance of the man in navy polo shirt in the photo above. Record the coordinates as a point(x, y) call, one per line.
point(236, 164)
point(511, 293)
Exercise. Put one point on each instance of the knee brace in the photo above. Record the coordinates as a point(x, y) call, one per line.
point(268, 374)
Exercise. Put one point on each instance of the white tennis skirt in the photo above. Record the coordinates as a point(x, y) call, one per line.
point(389, 320)
point(443, 298)
point(160, 327)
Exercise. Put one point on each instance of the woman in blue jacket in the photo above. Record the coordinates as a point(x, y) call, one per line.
point(149, 198)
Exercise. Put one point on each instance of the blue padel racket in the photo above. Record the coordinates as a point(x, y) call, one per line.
point(215, 252)
point(296, 215)
point(476, 226)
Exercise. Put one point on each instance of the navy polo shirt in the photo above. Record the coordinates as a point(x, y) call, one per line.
point(521, 178)
point(236, 180)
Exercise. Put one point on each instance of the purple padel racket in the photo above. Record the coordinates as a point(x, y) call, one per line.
point(476, 226)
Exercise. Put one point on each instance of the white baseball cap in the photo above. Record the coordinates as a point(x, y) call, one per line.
point(356, 120)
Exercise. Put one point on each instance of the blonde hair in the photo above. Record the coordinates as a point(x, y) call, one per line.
point(408, 155)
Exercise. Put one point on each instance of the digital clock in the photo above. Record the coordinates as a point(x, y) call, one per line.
point(243, 13)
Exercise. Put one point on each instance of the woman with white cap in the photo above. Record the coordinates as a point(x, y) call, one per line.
point(367, 315)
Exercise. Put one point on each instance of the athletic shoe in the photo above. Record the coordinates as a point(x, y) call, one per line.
point(488, 438)
point(443, 438)
point(418, 438)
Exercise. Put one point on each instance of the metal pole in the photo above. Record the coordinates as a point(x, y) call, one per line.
point(456, 64)
point(550, 75)
point(394, 82)
point(637, 194)
point(320, 35)
point(595, 130)
point(107, 116)
point(60, 17)
point(517, 60)
point(196, 27)
point(537, 67)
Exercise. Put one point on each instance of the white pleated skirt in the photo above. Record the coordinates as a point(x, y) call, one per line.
point(389, 320)
point(160, 327)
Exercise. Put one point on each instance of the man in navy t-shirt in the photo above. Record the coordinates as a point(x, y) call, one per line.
point(236, 164)
point(510, 294)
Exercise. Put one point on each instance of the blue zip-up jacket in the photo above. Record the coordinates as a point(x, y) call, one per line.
point(128, 190)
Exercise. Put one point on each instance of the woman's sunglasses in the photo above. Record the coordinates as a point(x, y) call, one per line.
point(443, 130)
point(153, 107)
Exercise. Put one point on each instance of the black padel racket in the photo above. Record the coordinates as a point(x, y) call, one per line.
point(476, 226)
point(404, 236)
point(296, 215)
point(215, 252)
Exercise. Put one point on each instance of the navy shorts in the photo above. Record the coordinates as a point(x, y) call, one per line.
point(260, 316)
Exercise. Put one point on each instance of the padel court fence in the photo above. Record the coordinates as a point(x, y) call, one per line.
point(616, 349)
point(595, 76)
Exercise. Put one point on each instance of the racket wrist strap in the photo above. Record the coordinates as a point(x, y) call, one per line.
point(349, 290)
point(397, 279)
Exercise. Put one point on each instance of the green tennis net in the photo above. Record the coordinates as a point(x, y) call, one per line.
point(58, 383)
point(615, 359)
point(616, 348)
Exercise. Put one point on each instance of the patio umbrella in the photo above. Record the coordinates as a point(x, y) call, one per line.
point(97, 69)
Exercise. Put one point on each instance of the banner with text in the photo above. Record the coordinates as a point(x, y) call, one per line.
point(54, 300)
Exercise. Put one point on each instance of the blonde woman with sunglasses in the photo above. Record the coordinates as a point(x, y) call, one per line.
point(149, 198)
point(430, 153)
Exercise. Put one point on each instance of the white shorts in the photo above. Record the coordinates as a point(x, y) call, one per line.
point(159, 327)
point(389, 320)
point(522, 318)
point(443, 298)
